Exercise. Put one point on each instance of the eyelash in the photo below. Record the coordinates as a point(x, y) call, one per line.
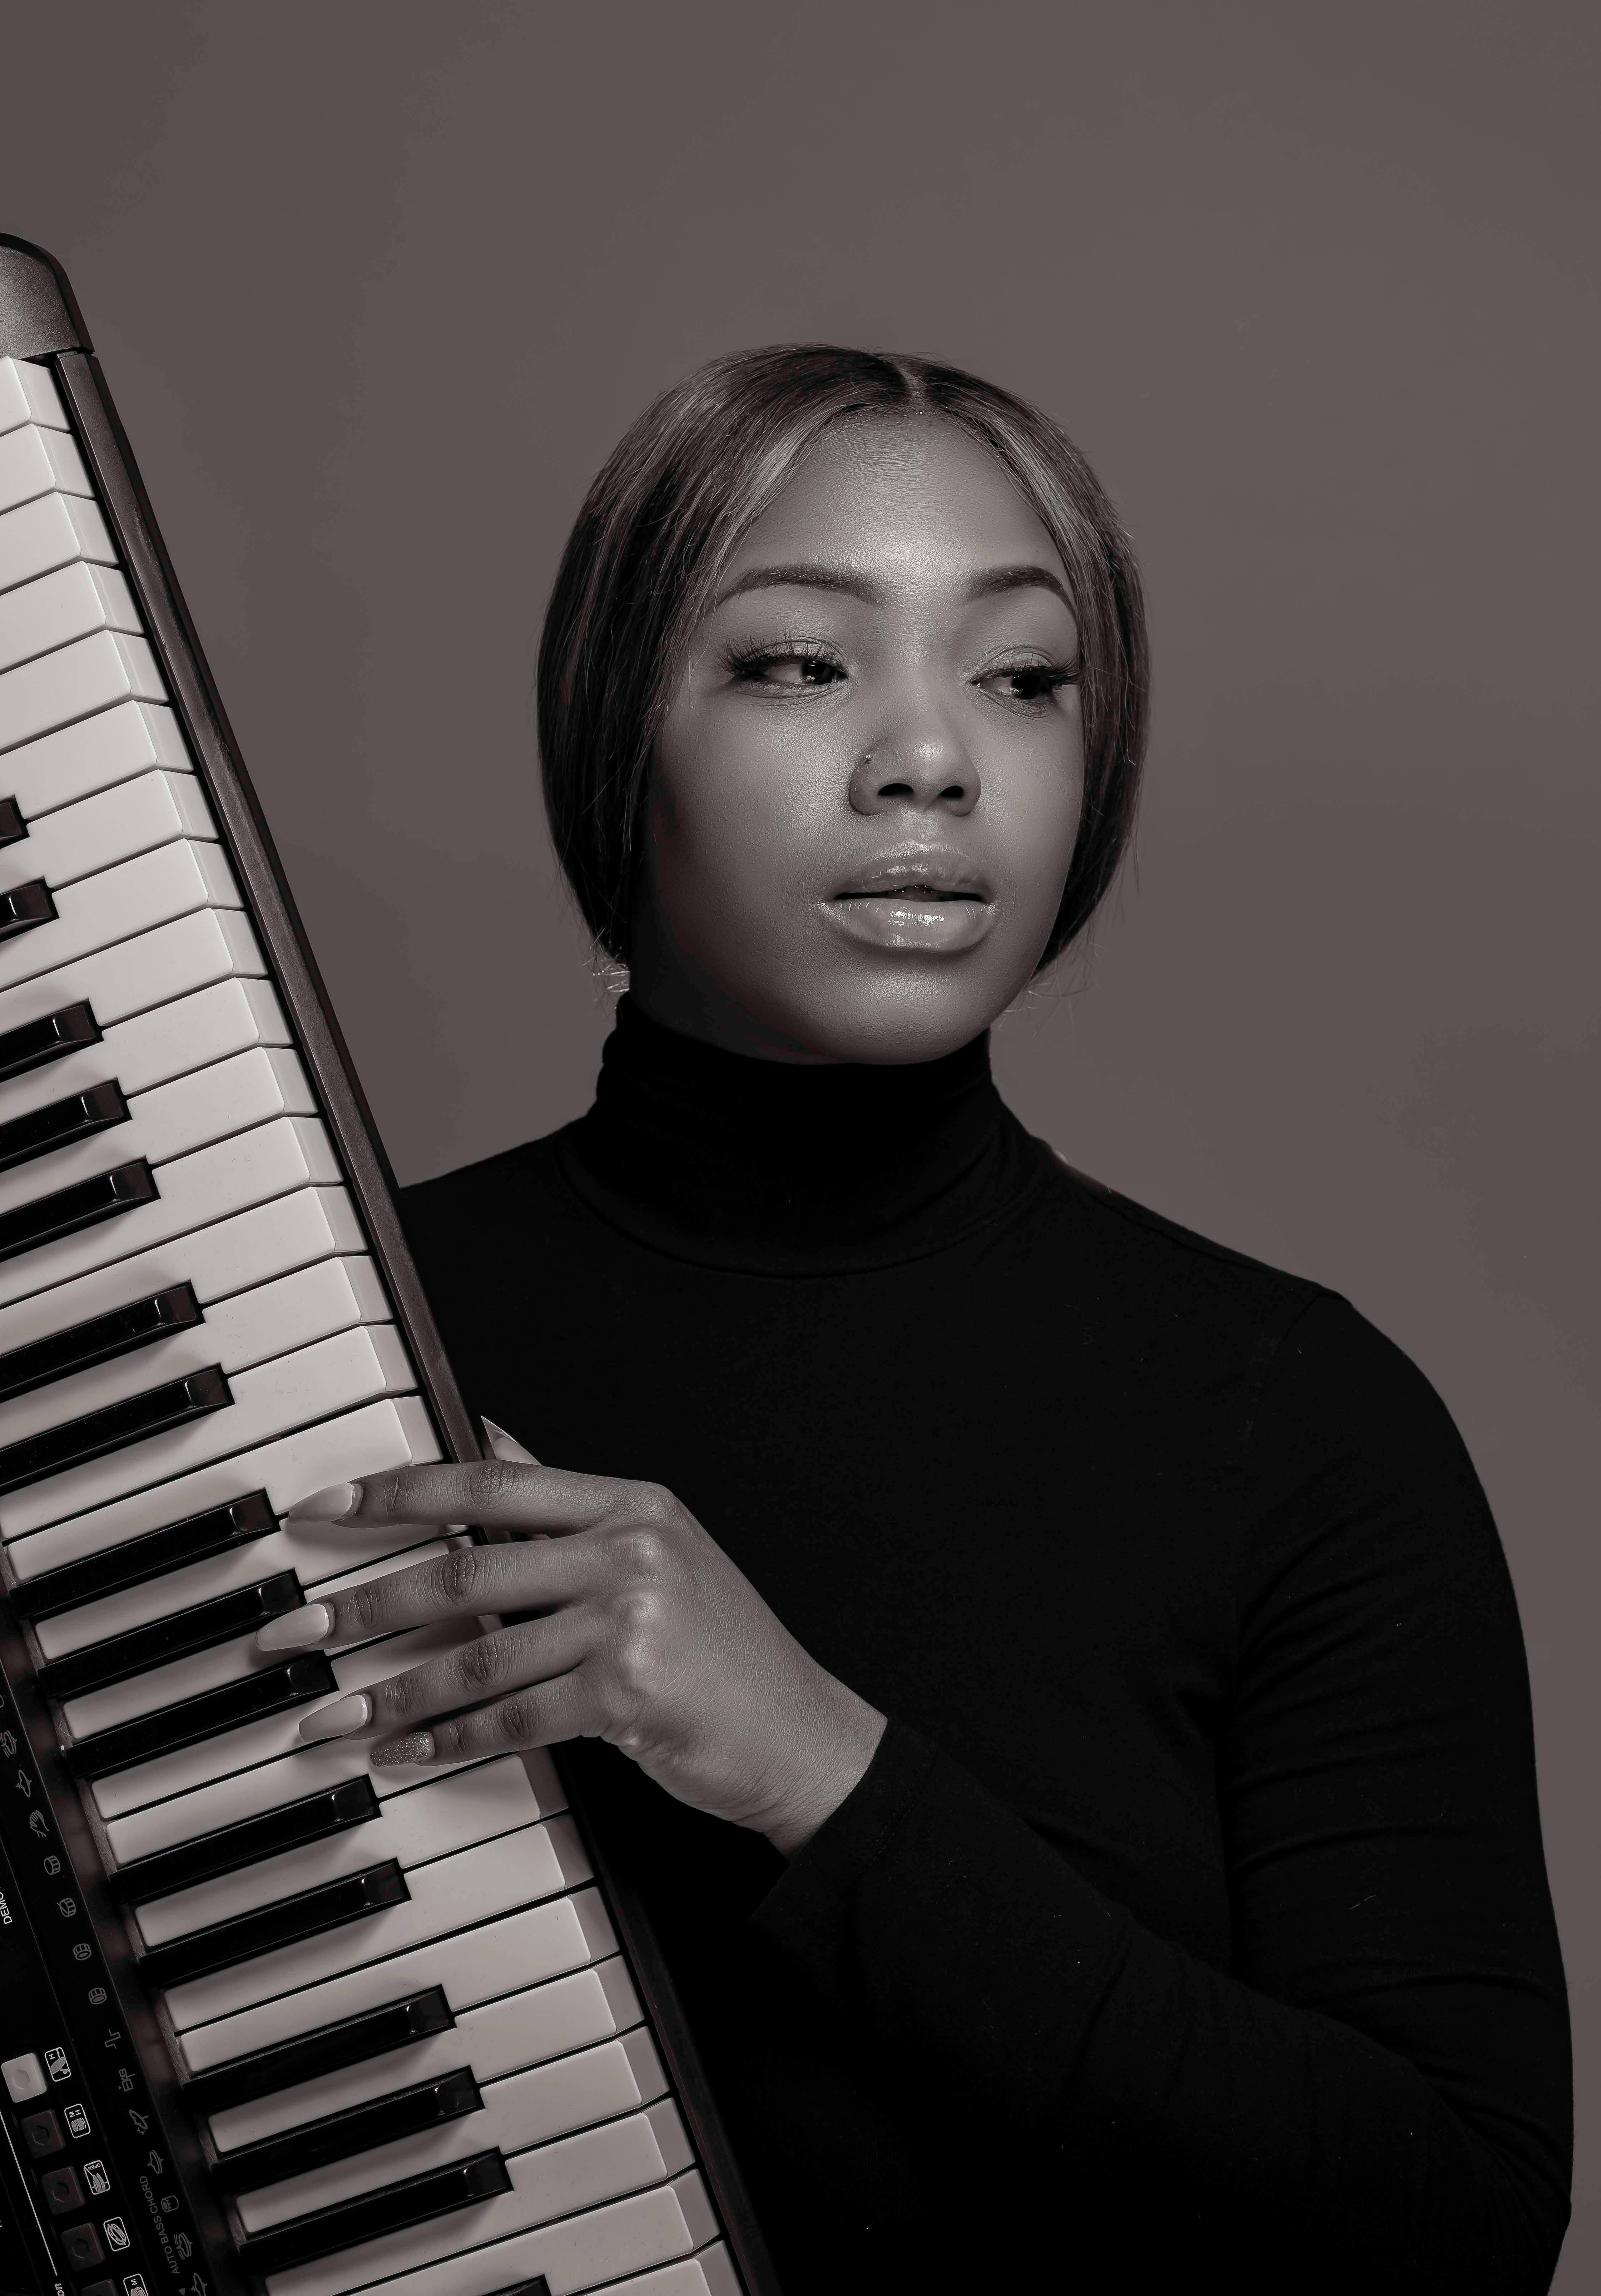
point(746, 665)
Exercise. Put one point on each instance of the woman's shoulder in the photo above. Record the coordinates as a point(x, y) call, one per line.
point(460, 1207)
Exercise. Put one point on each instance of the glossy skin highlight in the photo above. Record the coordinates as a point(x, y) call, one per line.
point(864, 805)
point(887, 676)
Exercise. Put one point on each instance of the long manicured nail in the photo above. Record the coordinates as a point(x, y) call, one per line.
point(339, 1720)
point(418, 1748)
point(313, 1623)
point(507, 1446)
point(329, 1506)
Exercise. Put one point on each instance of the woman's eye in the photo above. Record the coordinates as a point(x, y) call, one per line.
point(794, 669)
point(1029, 681)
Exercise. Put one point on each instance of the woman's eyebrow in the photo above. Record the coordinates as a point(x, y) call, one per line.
point(996, 579)
point(804, 575)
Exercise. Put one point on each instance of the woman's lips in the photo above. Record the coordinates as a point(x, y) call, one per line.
point(923, 920)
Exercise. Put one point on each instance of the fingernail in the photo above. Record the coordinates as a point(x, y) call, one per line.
point(507, 1446)
point(338, 1720)
point(329, 1506)
point(418, 1748)
point(313, 1623)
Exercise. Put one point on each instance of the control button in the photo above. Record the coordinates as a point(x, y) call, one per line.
point(63, 2190)
point(99, 2288)
point(81, 2243)
point(24, 2076)
point(42, 2135)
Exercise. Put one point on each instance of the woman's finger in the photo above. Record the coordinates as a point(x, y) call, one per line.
point(509, 1660)
point(501, 1495)
point(545, 1714)
point(466, 1581)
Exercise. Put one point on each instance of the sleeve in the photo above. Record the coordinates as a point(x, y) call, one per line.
point(1381, 2083)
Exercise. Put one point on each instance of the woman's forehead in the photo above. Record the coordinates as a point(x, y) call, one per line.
point(911, 494)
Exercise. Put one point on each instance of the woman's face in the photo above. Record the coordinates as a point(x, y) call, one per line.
point(867, 787)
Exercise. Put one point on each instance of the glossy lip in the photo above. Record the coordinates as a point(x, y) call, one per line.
point(923, 899)
point(919, 872)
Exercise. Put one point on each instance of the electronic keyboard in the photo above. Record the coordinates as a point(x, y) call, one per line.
point(270, 2020)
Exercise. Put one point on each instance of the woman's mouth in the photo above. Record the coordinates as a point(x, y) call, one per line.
point(929, 902)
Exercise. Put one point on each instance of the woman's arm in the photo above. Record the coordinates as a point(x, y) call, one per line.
point(1380, 2087)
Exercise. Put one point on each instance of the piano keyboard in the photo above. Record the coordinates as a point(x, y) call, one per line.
point(407, 2041)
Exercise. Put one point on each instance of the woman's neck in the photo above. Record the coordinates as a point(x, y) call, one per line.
point(777, 1167)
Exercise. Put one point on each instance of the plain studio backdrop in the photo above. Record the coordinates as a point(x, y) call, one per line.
point(378, 286)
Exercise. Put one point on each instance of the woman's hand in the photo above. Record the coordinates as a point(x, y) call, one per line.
point(650, 1639)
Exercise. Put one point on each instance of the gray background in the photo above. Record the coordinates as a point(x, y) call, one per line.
point(378, 286)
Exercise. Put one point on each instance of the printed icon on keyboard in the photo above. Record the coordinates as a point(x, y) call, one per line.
point(96, 2178)
point(116, 2233)
point(132, 2284)
point(56, 2065)
point(78, 2120)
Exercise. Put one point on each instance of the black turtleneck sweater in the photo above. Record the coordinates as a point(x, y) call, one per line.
point(1192, 1916)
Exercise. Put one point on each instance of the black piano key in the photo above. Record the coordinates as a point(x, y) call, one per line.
point(36, 1042)
point(313, 1819)
point(219, 1621)
point(382, 2121)
point(101, 1340)
point(173, 1404)
point(538, 2286)
point(25, 907)
point(12, 827)
point(330, 2049)
point(273, 1690)
point(84, 1205)
point(195, 1539)
point(308, 1914)
point(79, 1116)
point(415, 2199)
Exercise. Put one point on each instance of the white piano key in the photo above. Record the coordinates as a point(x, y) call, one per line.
point(548, 2021)
point(193, 1032)
point(552, 2182)
point(236, 1255)
point(99, 832)
point(59, 609)
point(28, 394)
point(94, 755)
point(51, 531)
point(452, 1894)
point(275, 1735)
point(250, 1328)
point(431, 1821)
point(530, 2108)
point(583, 2252)
point(305, 1769)
point(98, 912)
point(389, 1434)
point(527, 1947)
point(355, 1366)
point(709, 2274)
point(231, 1661)
point(74, 682)
point(172, 1119)
point(293, 1152)
point(170, 960)
point(37, 458)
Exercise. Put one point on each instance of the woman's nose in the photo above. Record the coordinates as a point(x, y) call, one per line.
point(928, 770)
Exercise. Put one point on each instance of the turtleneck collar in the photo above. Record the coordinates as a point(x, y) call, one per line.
point(773, 1169)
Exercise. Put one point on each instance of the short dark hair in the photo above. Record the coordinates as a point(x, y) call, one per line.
point(660, 524)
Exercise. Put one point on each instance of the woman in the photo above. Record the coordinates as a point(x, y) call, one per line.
point(1063, 1678)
